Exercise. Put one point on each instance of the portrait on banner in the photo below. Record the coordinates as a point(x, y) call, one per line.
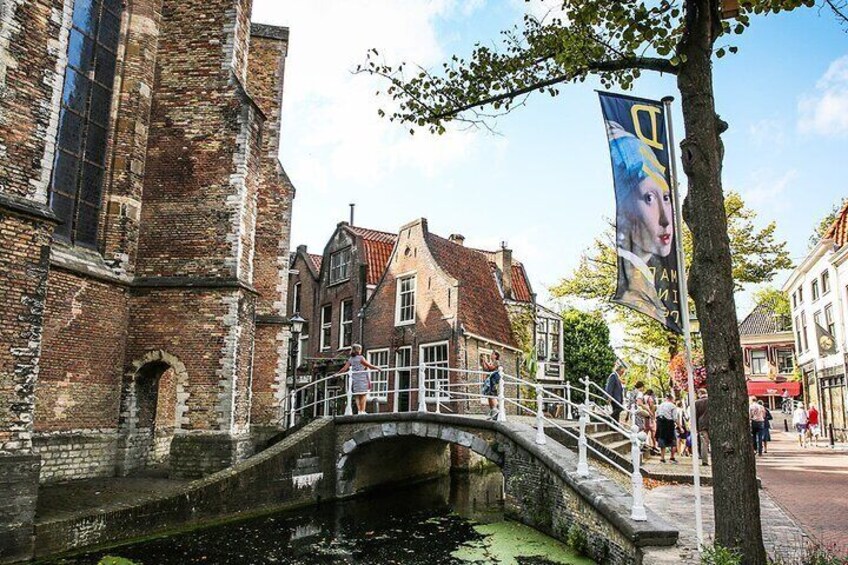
point(645, 230)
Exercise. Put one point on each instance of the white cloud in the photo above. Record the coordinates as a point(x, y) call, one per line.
point(764, 189)
point(331, 131)
point(826, 111)
point(768, 132)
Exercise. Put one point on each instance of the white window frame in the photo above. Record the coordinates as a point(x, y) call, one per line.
point(343, 323)
point(399, 321)
point(429, 377)
point(786, 353)
point(814, 290)
point(339, 272)
point(399, 368)
point(765, 363)
point(324, 338)
point(379, 379)
point(296, 298)
point(825, 282)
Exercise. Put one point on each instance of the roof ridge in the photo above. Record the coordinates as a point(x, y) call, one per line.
point(840, 218)
point(381, 232)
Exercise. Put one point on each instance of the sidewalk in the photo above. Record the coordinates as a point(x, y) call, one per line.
point(676, 503)
point(810, 484)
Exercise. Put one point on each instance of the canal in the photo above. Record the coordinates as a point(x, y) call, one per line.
point(457, 519)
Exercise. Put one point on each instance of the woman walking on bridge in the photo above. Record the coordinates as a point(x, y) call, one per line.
point(360, 381)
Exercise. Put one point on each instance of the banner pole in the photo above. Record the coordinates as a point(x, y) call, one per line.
point(687, 333)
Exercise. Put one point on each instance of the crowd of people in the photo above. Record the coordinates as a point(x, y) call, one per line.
point(665, 423)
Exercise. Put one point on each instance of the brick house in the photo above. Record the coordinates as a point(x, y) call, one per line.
point(144, 218)
point(443, 304)
point(329, 291)
point(769, 355)
point(485, 299)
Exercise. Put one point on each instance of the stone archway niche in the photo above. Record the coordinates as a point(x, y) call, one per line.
point(153, 409)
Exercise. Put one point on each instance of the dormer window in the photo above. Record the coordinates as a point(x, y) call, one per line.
point(340, 266)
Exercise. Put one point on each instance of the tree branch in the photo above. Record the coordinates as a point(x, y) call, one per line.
point(838, 10)
point(656, 64)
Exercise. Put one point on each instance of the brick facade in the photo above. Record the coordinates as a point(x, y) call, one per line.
point(174, 321)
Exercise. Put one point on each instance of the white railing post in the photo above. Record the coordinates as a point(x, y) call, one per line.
point(583, 461)
point(396, 395)
point(568, 398)
point(501, 397)
point(292, 399)
point(437, 392)
point(540, 417)
point(349, 393)
point(638, 512)
point(422, 390)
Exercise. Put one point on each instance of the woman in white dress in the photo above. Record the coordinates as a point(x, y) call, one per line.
point(361, 382)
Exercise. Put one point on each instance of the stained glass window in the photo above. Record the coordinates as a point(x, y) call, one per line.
point(79, 168)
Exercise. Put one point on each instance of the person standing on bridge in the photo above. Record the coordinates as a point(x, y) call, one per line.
point(360, 381)
point(492, 381)
point(615, 390)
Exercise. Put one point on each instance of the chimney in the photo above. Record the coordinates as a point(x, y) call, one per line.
point(503, 260)
point(457, 238)
point(352, 209)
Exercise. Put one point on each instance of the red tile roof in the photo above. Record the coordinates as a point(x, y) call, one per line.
point(316, 261)
point(838, 230)
point(481, 309)
point(521, 289)
point(377, 249)
point(520, 285)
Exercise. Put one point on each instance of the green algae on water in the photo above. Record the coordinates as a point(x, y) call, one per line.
point(513, 543)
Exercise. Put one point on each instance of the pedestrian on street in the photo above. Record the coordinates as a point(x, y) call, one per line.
point(682, 426)
point(634, 398)
point(702, 422)
point(491, 382)
point(615, 390)
point(360, 381)
point(813, 427)
point(766, 426)
point(799, 420)
point(650, 404)
point(666, 418)
point(757, 415)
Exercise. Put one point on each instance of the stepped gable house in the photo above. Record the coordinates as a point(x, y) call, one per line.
point(330, 290)
point(144, 223)
point(413, 297)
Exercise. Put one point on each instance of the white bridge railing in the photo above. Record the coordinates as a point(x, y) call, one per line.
point(441, 389)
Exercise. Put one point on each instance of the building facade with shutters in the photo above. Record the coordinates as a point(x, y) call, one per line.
point(144, 223)
point(818, 295)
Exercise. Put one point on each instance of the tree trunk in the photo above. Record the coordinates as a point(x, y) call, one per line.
point(736, 499)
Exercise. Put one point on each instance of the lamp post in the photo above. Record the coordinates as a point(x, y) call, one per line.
point(296, 325)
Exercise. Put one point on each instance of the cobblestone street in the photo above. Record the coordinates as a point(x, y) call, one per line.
point(810, 484)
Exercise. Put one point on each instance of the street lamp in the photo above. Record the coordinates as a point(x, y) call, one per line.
point(296, 324)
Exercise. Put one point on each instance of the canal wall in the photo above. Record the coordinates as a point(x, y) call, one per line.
point(288, 475)
point(346, 456)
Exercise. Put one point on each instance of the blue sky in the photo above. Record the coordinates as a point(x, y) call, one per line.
point(543, 183)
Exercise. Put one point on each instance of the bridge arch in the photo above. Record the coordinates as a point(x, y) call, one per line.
point(417, 452)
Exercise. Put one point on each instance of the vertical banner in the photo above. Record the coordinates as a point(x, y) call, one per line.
point(645, 242)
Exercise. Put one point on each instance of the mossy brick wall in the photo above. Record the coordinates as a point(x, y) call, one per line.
point(538, 497)
point(295, 472)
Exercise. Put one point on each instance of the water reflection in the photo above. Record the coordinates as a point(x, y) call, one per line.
point(438, 522)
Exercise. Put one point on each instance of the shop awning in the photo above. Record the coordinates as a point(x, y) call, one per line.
point(769, 388)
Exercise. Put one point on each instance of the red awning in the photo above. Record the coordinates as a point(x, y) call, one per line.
point(769, 388)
